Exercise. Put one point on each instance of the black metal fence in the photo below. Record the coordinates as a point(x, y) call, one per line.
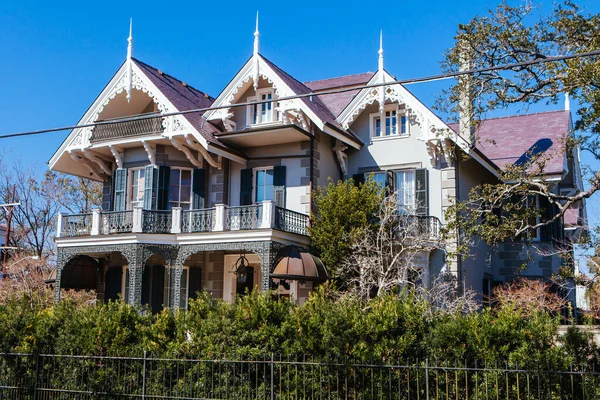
point(26, 376)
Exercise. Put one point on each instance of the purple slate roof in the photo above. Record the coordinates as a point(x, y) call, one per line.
point(183, 97)
point(514, 139)
point(337, 102)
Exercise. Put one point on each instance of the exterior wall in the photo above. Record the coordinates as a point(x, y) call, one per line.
point(212, 271)
point(405, 151)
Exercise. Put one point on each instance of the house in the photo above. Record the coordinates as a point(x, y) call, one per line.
point(205, 200)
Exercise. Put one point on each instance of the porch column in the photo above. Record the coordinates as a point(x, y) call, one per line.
point(175, 274)
point(136, 273)
point(60, 263)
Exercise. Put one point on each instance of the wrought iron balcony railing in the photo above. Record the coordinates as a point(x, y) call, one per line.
point(127, 129)
point(221, 218)
point(424, 227)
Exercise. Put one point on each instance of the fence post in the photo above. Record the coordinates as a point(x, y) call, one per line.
point(144, 377)
point(35, 381)
point(272, 377)
point(427, 378)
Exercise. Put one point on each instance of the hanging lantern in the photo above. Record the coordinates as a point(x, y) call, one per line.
point(242, 268)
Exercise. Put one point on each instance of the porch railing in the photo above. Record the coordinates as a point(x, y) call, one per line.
point(77, 224)
point(264, 215)
point(127, 129)
point(424, 227)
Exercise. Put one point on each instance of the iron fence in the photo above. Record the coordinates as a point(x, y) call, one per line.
point(26, 376)
point(117, 221)
point(156, 221)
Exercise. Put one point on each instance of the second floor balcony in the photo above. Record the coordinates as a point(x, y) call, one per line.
point(221, 218)
point(126, 129)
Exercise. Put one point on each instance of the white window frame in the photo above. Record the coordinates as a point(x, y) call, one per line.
point(275, 115)
point(400, 125)
point(130, 175)
point(191, 187)
point(255, 186)
point(414, 189)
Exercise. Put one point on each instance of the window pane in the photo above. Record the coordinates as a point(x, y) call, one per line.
point(378, 177)
point(403, 124)
point(405, 182)
point(377, 127)
point(269, 177)
point(185, 193)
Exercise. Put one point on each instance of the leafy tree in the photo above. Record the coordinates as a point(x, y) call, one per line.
point(514, 34)
point(342, 211)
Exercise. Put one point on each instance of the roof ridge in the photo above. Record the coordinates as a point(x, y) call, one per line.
point(173, 77)
point(524, 115)
point(338, 77)
point(276, 66)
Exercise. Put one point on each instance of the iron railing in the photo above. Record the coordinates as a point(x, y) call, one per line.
point(291, 221)
point(76, 225)
point(126, 129)
point(198, 220)
point(155, 221)
point(117, 222)
point(425, 227)
point(243, 217)
point(26, 376)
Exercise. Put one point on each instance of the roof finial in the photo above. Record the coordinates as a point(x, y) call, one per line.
point(256, 37)
point(380, 67)
point(129, 55)
point(255, 56)
point(567, 102)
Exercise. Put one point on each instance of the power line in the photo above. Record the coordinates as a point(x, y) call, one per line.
point(430, 78)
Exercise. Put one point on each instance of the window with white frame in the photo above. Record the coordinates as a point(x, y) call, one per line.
point(136, 187)
point(264, 112)
point(394, 123)
point(180, 190)
point(405, 185)
point(263, 184)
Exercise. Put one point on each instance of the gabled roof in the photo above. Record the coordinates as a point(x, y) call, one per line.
point(183, 97)
point(336, 102)
point(515, 139)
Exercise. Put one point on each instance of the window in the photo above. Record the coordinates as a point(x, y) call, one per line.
point(263, 184)
point(378, 177)
point(405, 183)
point(533, 202)
point(183, 289)
point(180, 190)
point(136, 188)
point(264, 112)
point(394, 123)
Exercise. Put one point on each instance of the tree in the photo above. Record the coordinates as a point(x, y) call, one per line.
point(510, 35)
point(342, 210)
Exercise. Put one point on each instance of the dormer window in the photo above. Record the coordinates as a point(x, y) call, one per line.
point(264, 112)
point(394, 123)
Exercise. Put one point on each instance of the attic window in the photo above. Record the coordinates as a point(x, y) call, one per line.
point(264, 112)
point(394, 123)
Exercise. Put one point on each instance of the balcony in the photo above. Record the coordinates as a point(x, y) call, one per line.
point(428, 228)
point(219, 219)
point(126, 129)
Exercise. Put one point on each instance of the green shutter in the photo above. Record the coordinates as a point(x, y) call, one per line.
point(422, 191)
point(279, 186)
point(246, 187)
point(358, 179)
point(150, 177)
point(120, 189)
point(164, 178)
point(390, 182)
point(198, 183)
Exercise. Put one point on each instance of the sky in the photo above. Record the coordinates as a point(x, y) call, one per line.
point(57, 56)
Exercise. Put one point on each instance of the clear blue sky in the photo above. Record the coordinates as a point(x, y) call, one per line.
point(58, 55)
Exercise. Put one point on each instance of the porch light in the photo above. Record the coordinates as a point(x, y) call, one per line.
point(298, 265)
point(242, 265)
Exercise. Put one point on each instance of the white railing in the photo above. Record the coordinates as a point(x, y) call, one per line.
point(264, 215)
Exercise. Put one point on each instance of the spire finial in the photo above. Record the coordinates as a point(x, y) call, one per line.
point(129, 55)
point(567, 102)
point(380, 67)
point(256, 37)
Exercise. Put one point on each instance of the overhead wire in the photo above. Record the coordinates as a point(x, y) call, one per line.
point(430, 78)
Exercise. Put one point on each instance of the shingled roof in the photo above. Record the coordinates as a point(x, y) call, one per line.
point(184, 97)
point(338, 101)
point(516, 139)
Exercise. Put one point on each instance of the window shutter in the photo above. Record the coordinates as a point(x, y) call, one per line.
point(198, 183)
point(422, 191)
point(195, 282)
point(358, 179)
point(107, 193)
point(390, 182)
point(150, 177)
point(279, 186)
point(113, 283)
point(120, 189)
point(246, 187)
point(164, 178)
point(546, 213)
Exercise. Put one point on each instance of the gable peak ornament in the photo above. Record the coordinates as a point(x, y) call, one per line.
point(129, 61)
point(255, 53)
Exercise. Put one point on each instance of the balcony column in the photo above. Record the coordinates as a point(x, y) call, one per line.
point(268, 214)
point(59, 223)
point(219, 218)
point(137, 220)
point(176, 220)
point(95, 222)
